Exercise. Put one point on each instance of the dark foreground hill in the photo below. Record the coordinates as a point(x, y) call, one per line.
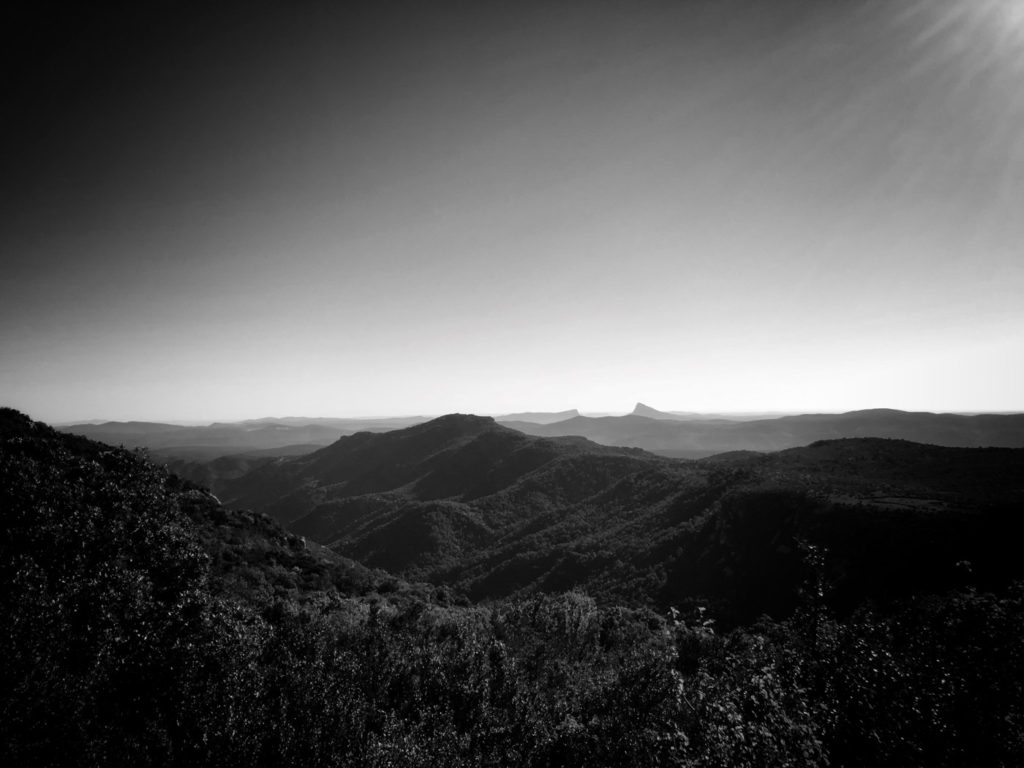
point(684, 437)
point(465, 502)
point(146, 624)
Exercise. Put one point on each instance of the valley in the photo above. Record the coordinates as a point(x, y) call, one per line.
point(490, 509)
point(459, 592)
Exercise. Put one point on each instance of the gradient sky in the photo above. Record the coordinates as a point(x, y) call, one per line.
point(278, 208)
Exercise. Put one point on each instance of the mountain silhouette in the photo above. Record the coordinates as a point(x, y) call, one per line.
point(652, 413)
point(203, 443)
point(692, 438)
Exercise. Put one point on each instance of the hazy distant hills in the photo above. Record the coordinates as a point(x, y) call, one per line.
point(269, 436)
point(535, 417)
point(652, 413)
point(464, 501)
point(672, 434)
point(207, 442)
point(680, 436)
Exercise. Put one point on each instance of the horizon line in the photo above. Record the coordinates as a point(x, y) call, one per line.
point(498, 414)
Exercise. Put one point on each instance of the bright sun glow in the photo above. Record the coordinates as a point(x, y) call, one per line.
point(1007, 19)
point(1012, 12)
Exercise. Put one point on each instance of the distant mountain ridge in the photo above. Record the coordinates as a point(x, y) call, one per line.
point(696, 438)
point(251, 437)
point(222, 439)
point(652, 413)
point(536, 417)
point(672, 434)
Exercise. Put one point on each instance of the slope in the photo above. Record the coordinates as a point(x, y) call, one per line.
point(465, 502)
point(427, 495)
point(74, 493)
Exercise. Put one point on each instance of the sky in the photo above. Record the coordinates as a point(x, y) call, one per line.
point(223, 211)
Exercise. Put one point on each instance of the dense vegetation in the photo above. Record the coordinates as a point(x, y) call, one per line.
point(148, 624)
point(494, 513)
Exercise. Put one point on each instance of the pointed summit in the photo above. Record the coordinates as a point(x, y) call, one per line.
point(651, 413)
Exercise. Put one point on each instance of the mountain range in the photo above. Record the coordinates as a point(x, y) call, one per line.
point(674, 434)
point(467, 502)
point(682, 436)
point(649, 508)
point(253, 438)
point(281, 436)
point(851, 602)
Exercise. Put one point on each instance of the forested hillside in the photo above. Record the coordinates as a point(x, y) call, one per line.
point(468, 503)
point(147, 624)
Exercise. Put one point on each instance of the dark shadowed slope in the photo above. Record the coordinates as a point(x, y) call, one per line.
point(895, 517)
point(434, 495)
point(457, 457)
point(88, 512)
